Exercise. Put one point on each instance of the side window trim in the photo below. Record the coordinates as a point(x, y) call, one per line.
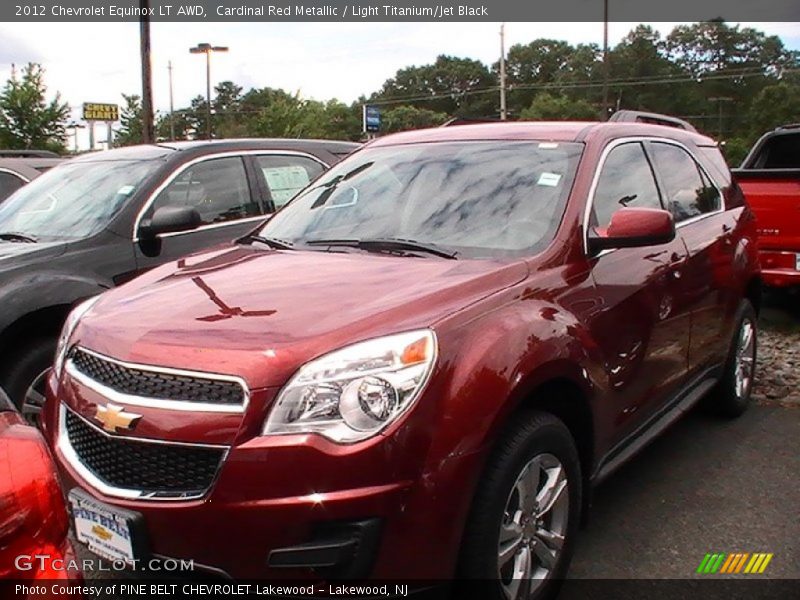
point(19, 176)
point(703, 172)
point(596, 180)
point(187, 165)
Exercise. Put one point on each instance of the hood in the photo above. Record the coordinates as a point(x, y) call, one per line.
point(25, 252)
point(261, 314)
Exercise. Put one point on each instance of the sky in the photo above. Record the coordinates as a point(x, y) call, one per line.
point(97, 62)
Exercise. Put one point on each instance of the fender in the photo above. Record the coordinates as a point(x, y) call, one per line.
point(499, 362)
point(28, 293)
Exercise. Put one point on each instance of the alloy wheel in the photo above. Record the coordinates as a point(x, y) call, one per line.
point(33, 402)
point(533, 528)
point(744, 366)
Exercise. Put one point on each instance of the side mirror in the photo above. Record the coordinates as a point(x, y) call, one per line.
point(633, 228)
point(170, 219)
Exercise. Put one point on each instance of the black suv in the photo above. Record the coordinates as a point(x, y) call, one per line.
point(99, 220)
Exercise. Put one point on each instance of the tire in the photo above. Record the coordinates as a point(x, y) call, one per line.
point(538, 443)
point(728, 399)
point(28, 367)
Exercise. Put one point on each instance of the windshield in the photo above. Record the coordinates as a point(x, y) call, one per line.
point(74, 200)
point(476, 199)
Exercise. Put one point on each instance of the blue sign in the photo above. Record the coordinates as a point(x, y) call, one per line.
point(372, 119)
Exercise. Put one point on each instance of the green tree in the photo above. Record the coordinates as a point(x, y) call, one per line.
point(131, 130)
point(27, 119)
point(774, 105)
point(402, 118)
point(456, 86)
point(549, 107)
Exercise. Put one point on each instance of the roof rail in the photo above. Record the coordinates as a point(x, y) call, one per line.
point(469, 121)
point(789, 126)
point(638, 116)
point(27, 154)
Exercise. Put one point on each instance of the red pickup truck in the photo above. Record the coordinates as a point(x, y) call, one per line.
point(770, 180)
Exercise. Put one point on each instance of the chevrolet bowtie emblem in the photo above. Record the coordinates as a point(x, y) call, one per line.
point(114, 417)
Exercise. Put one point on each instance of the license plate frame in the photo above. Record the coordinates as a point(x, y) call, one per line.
point(111, 532)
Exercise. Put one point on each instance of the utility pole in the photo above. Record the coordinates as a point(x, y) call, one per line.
point(148, 134)
point(719, 100)
point(503, 112)
point(207, 49)
point(605, 60)
point(171, 105)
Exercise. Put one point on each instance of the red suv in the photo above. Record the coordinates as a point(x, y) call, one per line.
point(420, 366)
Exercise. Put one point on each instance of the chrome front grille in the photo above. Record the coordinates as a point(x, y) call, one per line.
point(159, 384)
point(135, 467)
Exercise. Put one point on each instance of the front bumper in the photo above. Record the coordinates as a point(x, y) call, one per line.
point(376, 513)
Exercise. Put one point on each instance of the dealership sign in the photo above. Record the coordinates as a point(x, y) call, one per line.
point(94, 111)
point(372, 119)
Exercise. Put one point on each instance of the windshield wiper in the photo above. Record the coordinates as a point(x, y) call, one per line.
point(268, 241)
point(388, 245)
point(13, 236)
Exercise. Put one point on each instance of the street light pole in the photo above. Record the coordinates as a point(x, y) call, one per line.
point(171, 105)
point(207, 49)
point(503, 112)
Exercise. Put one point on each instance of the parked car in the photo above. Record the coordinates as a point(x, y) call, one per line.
point(33, 519)
point(20, 167)
point(101, 219)
point(420, 366)
point(770, 179)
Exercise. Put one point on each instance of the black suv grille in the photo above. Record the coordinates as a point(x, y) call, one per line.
point(161, 468)
point(151, 384)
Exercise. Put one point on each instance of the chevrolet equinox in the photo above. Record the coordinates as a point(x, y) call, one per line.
point(419, 367)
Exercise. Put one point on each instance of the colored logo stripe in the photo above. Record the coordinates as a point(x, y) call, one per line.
point(734, 563)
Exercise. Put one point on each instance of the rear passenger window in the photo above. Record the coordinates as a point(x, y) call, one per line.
point(9, 184)
point(626, 180)
point(286, 175)
point(688, 192)
point(217, 188)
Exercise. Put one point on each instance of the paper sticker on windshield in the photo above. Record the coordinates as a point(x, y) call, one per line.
point(549, 179)
point(125, 190)
point(548, 145)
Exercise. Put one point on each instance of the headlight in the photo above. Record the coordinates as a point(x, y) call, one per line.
point(353, 393)
point(70, 324)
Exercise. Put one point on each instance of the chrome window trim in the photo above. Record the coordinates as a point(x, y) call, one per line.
point(229, 154)
point(641, 140)
point(180, 405)
point(19, 176)
point(74, 461)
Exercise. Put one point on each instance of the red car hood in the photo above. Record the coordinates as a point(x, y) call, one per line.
point(261, 314)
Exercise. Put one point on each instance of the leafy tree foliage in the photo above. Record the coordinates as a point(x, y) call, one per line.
point(27, 119)
point(547, 107)
point(131, 129)
point(402, 118)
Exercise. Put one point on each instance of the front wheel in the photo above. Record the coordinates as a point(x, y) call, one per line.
point(524, 517)
point(24, 378)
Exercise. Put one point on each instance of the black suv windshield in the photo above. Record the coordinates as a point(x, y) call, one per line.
point(476, 199)
point(74, 200)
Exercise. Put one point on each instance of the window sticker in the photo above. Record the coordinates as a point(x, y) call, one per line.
point(285, 182)
point(549, 179)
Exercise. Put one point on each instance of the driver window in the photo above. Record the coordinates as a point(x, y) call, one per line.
point(626, 180)
point(217, 188)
